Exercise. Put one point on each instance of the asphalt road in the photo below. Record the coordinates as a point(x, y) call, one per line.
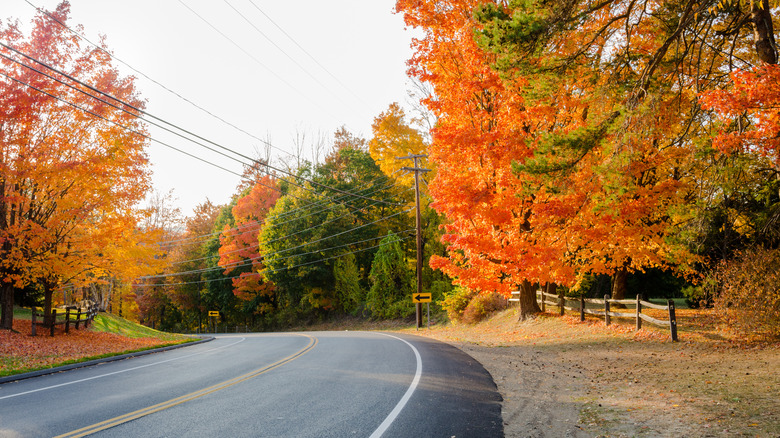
point(318, 384)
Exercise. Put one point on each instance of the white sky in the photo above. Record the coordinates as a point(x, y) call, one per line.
point(360, 42)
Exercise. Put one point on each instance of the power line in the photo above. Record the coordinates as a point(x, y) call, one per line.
point(283, 237)
point(261, 163)
point(252, 57)
point(314, 78)
point(309, 55)
point(150, 138)
point(251, 261)
point(98, 47)
point(199, 239)
point(261, 256)
point(118, 124)
point(271, 271)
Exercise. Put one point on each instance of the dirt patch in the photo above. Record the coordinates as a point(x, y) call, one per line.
point(563, 378)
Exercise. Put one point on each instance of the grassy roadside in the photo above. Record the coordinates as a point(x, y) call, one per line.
point(108, 336)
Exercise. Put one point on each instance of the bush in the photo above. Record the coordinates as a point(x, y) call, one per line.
point(749, 295)
point(481, 306)
point(455, 302)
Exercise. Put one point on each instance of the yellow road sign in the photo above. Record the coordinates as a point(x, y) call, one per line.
point(213, 313)
point(422, 297)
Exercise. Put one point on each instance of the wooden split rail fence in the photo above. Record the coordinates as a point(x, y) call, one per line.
point(81, 315)
point(561, 302)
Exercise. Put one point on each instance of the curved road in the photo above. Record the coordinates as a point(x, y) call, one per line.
point(318, 384)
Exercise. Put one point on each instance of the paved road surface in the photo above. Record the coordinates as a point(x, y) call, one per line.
point(318, 384)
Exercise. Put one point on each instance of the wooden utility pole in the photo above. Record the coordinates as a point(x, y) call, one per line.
point(417, 170)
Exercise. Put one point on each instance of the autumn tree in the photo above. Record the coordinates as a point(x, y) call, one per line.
point(302, 235)
point(239, 249)
point(394, 137)
point(475, 142)
point(595, 108)
point(69, 180)
point(188, 257)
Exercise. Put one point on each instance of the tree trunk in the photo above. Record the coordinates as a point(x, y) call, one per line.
point(6, 306)
point(528, 305)
point(620, 284)
point(763, 31)
point(552, 288)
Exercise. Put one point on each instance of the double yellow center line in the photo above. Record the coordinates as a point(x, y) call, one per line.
point(116, 421)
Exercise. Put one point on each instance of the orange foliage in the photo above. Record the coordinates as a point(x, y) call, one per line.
point(754, 100)
point(521, 206)
point(20, 350)
point(69, 180)
point(239, 246)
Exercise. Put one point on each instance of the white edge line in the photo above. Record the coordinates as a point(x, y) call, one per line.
point(401, 403)
point(118, 372)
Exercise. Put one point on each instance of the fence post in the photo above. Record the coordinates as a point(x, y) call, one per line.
point(582, 308)
point(561, 301)
point(32, 329)
point(672, 321)
point(67, 320)
point(78, 319)
point(542, 291)
point(53, 320)
point(606, 309)
point(638, 311)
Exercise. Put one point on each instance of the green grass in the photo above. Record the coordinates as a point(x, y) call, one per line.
point(15, 364)
point(106, 322)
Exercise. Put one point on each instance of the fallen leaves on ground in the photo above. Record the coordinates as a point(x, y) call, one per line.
point(21, 352)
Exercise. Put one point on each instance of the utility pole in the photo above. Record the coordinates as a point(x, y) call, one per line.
point(417, 170)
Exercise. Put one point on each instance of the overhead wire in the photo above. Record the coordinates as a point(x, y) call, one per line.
point(257, 61)
point(117, 124)
point(138, 133)
point(144, 75)
point(280, 238)
point(252, 160)
point(302, 68)
point(251, 261)
point(266, 255)
point(146, 136)
point(346, 194)
point(285, 214)
point(255, 274)
point(360, 99)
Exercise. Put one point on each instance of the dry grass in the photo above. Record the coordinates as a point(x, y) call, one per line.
point(714, 382)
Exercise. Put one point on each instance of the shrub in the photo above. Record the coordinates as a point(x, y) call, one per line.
point(481, 306)
point(749, 295)
point(455, 302)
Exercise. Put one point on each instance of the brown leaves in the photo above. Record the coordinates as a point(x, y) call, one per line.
point(20, 352)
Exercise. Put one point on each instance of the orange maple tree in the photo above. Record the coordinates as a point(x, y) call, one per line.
point(69, 180)
point(751, 107)
point(567, 133)
point(239, 248)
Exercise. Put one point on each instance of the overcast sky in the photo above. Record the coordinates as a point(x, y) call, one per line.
point(349, 67)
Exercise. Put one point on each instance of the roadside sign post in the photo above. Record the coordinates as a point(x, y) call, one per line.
point(214, 314)
point(423, 297)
